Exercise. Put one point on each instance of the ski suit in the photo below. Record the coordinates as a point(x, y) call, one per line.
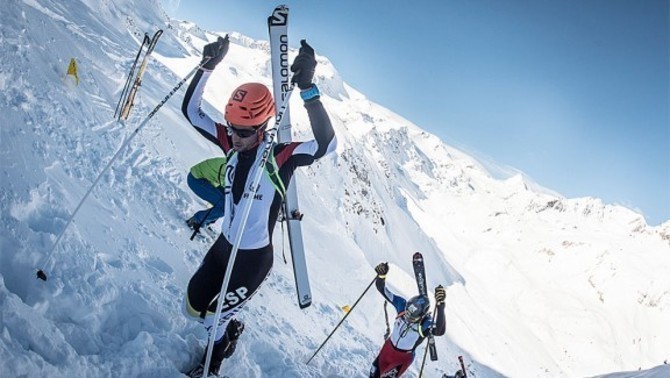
point(255, 253)
point(397, 353)
point(206, 180)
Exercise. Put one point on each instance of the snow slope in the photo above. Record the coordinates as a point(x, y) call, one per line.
point(538, 285)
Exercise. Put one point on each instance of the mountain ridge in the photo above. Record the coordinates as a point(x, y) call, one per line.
point(576, 284)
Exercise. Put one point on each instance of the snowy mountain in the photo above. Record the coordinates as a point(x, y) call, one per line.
point(537, 285)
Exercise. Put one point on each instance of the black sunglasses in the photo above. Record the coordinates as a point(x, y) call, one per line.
point(242, 133)
point(246, 132)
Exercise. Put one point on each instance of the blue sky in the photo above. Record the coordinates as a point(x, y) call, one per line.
point(575, 94)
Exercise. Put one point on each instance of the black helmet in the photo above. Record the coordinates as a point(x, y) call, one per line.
point(416, 308)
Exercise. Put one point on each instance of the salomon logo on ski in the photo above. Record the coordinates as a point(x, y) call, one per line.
point(279, 16)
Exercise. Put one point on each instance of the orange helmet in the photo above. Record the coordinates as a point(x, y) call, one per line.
point(250, 105)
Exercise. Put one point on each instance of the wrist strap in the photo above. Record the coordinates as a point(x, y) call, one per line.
point(310, 93)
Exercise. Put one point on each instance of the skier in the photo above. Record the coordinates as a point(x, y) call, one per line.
point(206, 180)
point(409, 330)
point(247, 115)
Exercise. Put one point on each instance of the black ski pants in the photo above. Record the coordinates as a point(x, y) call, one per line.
point(250, 269)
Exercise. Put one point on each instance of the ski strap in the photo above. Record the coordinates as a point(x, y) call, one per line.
point(271, 170)
point(386, 316)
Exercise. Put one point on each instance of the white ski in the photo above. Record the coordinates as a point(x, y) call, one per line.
point(278, 28)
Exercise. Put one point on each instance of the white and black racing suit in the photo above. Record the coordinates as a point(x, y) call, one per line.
point(397, 353)
point(255, 255)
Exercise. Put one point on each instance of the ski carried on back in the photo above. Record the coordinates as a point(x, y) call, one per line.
point(420, 275)
point(278, 28)
point(134, 80)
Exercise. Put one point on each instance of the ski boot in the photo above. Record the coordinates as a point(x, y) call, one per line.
point(206, 231)
point(223, 349)
point(192, 223)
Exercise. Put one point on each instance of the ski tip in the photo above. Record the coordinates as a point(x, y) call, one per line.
point(305, 301)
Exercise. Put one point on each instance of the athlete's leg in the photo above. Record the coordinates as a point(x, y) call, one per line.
point(215, 196)
point(251, 268)
point(204, 189)
point(393, 361)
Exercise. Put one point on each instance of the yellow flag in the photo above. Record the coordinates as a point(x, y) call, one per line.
point(72, 70)
point(346, 309)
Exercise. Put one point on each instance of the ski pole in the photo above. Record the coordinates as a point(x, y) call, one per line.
point(40, 273)
point(197, 227)
point(265, 151)
point(338, 324)
point(465, 373)
point(425, 351)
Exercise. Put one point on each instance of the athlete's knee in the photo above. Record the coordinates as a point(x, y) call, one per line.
point(197, 297)
point(189, 311)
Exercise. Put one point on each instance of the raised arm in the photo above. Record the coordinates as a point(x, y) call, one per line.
point(321, 127)
point(382, 269)
point(440, 321)
point(303, 69)
point(215, 132)
point(398, 302)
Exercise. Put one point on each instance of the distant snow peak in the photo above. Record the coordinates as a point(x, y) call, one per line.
point(243, 40)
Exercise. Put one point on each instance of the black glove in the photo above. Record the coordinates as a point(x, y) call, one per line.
point(214, 52)
point(440, 295)
point(303, 66)
point(382, 269)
